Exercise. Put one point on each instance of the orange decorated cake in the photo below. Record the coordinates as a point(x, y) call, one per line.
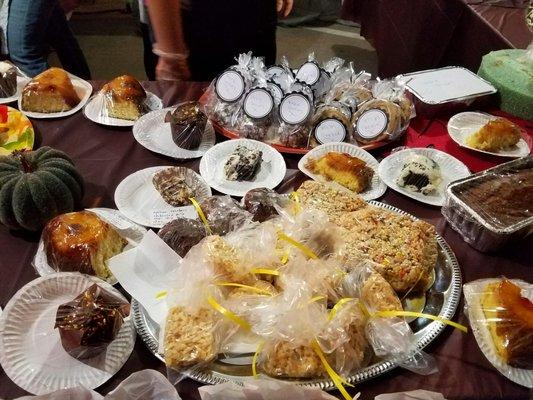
point(124, 98)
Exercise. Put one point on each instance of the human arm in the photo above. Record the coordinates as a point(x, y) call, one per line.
point(165, 17)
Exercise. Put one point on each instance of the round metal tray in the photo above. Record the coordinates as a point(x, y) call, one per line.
point(442, 299)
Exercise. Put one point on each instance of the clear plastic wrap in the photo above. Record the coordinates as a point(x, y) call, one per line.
point(224, 96)
point(142, 385)
point(187, 125)
point(182, 234)
point(91, 321)
point(224, 214)
point(317, 77)
point(262, 389)
point(81, 241)
point(262, 202)
point(259, 109)
point(349, 88)
point(177, 185)
point(500, 312)
point(295, 113)
point(386, 116)
point(8, 79)
point(494, 206)
point(124, 98)
point(331, 123)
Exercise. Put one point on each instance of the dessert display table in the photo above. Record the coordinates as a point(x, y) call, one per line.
point(105, 156)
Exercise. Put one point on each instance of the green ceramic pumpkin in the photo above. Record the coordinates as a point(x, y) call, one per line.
point(35, 186)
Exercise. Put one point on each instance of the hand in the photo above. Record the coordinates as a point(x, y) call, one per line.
point(284, 7)
point(172, 70)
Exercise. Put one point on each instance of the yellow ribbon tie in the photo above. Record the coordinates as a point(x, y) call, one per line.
point(316, 298)
point(337, 380)
point(297, 205)
point(228, 314)
point(338, 306)
point(265, 271)
point(285, 257)
point(462, 328)
point(201, 215)
point(248, 287)
point(161, 295)
point(254, 359)
point(306, 250)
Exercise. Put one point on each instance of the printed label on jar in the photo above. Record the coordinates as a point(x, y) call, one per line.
point(275, 70)
point(161, 217)
point(258, 103)
point(229, 86)
point(294, 108)
point(330, 130)
point(309, 73)
point(372, 123)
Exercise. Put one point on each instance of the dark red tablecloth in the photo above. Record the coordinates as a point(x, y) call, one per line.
point(105, 156)
point(413, 35)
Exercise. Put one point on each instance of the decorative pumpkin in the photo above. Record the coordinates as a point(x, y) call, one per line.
point(35, 186)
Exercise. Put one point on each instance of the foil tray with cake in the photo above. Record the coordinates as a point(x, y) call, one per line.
point(295, 111)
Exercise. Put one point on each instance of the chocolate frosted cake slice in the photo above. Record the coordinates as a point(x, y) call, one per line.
point(187, 125)
point(90, 322)
point(8, 79)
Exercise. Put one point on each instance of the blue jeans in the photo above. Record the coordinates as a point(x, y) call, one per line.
point(35, 26)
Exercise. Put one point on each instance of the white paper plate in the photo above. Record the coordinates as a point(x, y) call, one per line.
point(30, 348)
point(462, 125)
point(95, 110)
point(270, 174)
point(152, 132)
point(450, 167)
point(130, 231)
point(482, 334)
point(377, 187)
point(21, 82)
point(82, 87)
point(137, 198)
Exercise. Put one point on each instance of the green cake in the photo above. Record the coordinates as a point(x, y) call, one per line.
point(511, 72)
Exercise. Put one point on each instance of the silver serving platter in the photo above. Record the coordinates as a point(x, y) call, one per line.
point(442, 299)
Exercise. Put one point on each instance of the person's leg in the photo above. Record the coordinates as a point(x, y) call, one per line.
point(60, 37)
point(26, 35)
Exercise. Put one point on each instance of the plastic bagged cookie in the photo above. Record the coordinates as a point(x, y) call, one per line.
point(318, 77)
point(258, 114)
point(350, 88)
point(224, 96)
point(295, 113)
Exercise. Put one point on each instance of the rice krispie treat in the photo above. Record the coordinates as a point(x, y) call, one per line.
point(189, 338)
point(284, 359)
point(378, 294)
point(329, 200)
point(405, 250)
point(226, 261)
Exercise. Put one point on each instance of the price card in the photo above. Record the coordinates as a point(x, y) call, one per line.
point(258, 103)
point(229, 86)
point(330, 130)
point(372, 123)
point(295, 108)
point(113, 217)
point(161, 217)
point(309, 73)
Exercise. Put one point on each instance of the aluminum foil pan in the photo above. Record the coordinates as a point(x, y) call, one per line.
point(446, 90)
point(480, 231)
point(441, 299)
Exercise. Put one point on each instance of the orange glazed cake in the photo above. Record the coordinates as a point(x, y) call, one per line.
point(49, 92)
point(497, 134)
point(124, 98)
